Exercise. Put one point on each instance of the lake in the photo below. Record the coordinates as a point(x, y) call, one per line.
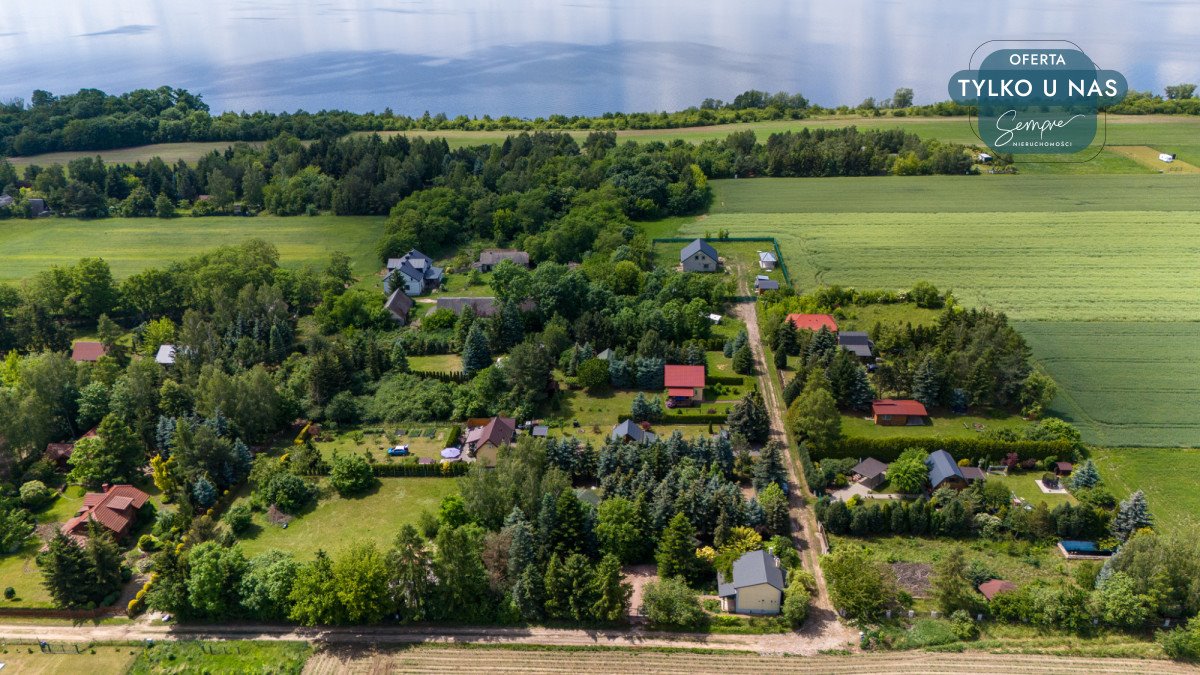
point(534, 57)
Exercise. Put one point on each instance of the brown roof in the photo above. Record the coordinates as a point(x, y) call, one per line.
point(498, 431)
point(115, 508)
point(991, 589)
point(59, 452)
point(399, 304)
point(491, 256)
point(892, 406)
point(87, 350)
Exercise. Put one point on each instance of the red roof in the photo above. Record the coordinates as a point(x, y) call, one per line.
point(890, 406)
point(681, 391)
point(691, 377)
point(115, 508)
point(498, 431)
point(85, 350)
point(813, 322)
point(991, 589)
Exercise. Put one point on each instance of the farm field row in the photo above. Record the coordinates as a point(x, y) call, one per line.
point(133, 244)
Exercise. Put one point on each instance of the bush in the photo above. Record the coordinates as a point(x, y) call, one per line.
point(147, 543)
point(963, 625)
point(238, 518)
point(35, 495)
point(670, 602)
point(1183, 643)
point(288, 492)
point(351, 475)
point(10, 593)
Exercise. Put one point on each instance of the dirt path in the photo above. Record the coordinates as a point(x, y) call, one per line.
point(823, 621)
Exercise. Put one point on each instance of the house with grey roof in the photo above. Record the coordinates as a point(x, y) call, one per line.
point(631, 432)
point(698, 256)
point(605, 355)
point(414, 272)
point(755, 587)
point(856, 342)
point(945, 472)
point(490, 257)
point(870, 472)
point(767, 260)
point(398, 305)
point(763, 283)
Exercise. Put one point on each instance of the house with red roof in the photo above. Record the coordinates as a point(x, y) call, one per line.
point(116, 508)
point(991, 589)
point(87, 351)
point(685, 385)
point(813, 322)
point(892, 412)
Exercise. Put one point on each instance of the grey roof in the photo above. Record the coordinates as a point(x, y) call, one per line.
point(765, 284)
point(6, 200)
point(941, 467)
point(416, 265)
point(398, 304)
point(856, 342)
point(869, 467)
point(695, 247)
point(631, 430)
point(752, 569)
point(491, 256)
point(605, 355)
point(766, 256)
point(483, 306)
point(540, 430)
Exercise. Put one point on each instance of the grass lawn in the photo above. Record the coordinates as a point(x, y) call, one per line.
point(602, 409)
point(26, 659)
point(234, 656)
point(740, 254)
point(415, 437)
point(865, 317)
point(1167, 476)
point(1019, 562)
point(336, 523)
point(950, 426)
point(597, 436)
point(436, 362)
point(133, 244)
point(457, 285)
point(19, 570)
point(1023, 484)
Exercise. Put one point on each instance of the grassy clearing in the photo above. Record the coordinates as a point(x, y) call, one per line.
point(602, 408)
point(457, 285)
point(1023, 484)
point(415, 436)
point(234, 656)
point(1148, 157)
point(133, 244)
point(1167, 476)
point(952, 426)
point(27, 659)
point(1126, 383)
point(19, 571)
point(436, 362)
point(169, 152)
point(335, 523)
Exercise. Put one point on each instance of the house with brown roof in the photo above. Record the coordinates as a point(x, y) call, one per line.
point(891, 412)
point(490, 257)
point(685, 385)
point(87, 351)
point(398, 305)
point(485, 440)
point(116, 509)
point(59, 453)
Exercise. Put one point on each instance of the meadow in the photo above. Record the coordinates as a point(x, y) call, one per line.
point(133, 244)
point(1168, 476)
point(1098, 272)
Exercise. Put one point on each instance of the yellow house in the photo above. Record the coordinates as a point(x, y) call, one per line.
point(756, 587)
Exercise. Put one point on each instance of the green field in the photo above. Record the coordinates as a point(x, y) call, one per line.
point(133, 244)
point(1169, 477)
point(232, 656)
point(953, 426)
point(1099, 272)
point(336, 523)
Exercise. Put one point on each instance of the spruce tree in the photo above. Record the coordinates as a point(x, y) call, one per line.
point(611, 591)
point(65, 572)
point(641, 410)
point(475, 355)
point(794, 388)
point(570, 524)
point(512, 326)
point(399, 357)
point(788, 339)
point(1085, 475)
point(743, 360)
point(823, 346)
point(927, 387)
point(1132, 515)
point(749, 418)
point(861, 394)
point(770, 468)
point(780, 359)
point(676, 554)
point(775, 508)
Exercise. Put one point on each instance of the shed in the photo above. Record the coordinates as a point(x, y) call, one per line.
point(698, 256)
point(813, 322)
point(763, 283)
point(1063, 468)
point(871, 472)
point(398, 305)
point(767, 260)
point(87, 351)
point(991, 589)
point(490, 257)
point(540, 431)
point(631, 432)
point(899, 412)
point(756, 585)
point(944, 471)
point(165, 355)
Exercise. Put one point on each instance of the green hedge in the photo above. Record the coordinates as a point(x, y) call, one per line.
point(410, 470)
point(731, 380)
point(452, 376)
point(974, 449)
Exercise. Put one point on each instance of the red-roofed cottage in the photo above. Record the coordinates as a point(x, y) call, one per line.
point(116, 509)
point(899, 412)
point(991, 589)
point(87, 351)
point(813, 322)
point(685, 384)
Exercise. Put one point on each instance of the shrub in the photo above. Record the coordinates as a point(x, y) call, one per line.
point(10, 593)
point(1183, 643)
point(238, 518)
point(671, 603)
point(35, 495)
point(288, 492)
point(147, 543)
point(963, 625)
point(351, 475)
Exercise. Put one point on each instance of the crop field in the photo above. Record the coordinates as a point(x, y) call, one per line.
point(133, 244)
point(1166, 475)
point(1098, 272)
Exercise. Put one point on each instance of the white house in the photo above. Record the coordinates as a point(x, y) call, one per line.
point(756, 587)
point(415, 273)
point(767, 260)
point(1166, 157)
point(698, 256)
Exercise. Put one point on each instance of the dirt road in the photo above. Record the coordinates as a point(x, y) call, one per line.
point(823, 619)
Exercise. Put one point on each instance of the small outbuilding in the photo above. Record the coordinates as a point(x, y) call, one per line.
point(767, 260)
point(945, 472)
point(165, 355)
point(699, 256)
point(813, 322)
point(1166, 157)
point(870, 472)
point(398, 305)
point(490, 257)
point(87, 351)
point(890, 412)
point(858, 343)
point(991, 589)
point(1063, 468)
point(755, 587)
point(763, 283)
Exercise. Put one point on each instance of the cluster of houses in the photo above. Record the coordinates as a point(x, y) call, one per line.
point(414, 274)
point(870, 473)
